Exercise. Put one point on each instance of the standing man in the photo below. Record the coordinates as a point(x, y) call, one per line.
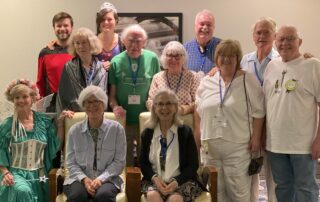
point(264, 33)
point(51, 61)
point(201, 49)
point(292, 94)
point(130, 77)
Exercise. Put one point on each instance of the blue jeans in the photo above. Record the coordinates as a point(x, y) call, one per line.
point(294, 175)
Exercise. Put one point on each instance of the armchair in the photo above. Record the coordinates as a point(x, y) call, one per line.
point(208, 174)
point(56, 176)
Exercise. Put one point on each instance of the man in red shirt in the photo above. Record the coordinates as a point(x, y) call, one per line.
point(52, 59)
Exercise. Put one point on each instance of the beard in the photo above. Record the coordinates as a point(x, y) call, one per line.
point(63, 36)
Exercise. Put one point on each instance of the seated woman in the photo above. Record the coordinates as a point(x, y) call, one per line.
point(230, 106)
point(83, 70)
point(169, 157)
point(96, 152)
point(176, 77)
point(28, 143)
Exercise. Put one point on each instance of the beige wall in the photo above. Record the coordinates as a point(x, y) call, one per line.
point(26, 24)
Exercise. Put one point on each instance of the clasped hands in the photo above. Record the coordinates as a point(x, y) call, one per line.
point(92, 185)
point(163, 187)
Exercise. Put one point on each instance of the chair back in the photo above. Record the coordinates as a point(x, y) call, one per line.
point(79, 116)
point(145, 116)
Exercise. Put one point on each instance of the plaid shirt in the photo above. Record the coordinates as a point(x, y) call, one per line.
point(201, 62)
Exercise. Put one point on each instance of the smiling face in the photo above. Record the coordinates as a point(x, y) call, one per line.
point(82, 46)
point(63, 29)
point(263, 36)
point(204, 27)
point(165, 108)
point(22, 100)
point(93, 107)
point(108, 23)
point(288, 43)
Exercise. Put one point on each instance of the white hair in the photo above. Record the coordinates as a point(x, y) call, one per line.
point(135, 28)
point(272, 23)
point(173, 47)
point(93, 90)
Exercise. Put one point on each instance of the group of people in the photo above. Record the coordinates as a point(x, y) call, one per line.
point(265, 102)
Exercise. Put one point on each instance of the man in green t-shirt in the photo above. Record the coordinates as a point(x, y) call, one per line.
point(130, 77)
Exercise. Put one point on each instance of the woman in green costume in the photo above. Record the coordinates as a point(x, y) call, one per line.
point(28, 143)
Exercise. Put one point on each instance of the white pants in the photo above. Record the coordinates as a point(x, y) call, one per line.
point(231, 161)
point(269, 182)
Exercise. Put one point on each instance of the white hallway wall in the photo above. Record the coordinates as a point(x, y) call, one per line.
point(26, 25)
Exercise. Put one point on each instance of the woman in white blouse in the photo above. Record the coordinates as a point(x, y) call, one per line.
point(230, 105)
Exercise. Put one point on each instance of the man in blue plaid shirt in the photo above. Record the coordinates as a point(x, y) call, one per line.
point(201, 49)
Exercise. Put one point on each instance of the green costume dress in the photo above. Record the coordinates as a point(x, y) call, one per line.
point(28, 157)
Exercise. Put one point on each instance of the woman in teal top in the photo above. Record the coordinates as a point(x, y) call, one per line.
point(28, 143)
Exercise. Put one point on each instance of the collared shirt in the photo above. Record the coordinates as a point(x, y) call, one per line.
point(172, 159)
point(195, 59)
point(250, 61)
point(111, 152)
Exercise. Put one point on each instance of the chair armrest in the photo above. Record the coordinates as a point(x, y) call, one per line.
point(53, 184)
point(211, 174)
point(133, 184)
point(56, 178)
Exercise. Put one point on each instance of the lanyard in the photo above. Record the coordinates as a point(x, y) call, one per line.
point(225, 92)
point(178, 84)
point(168, 145)
point(257, 75)
point(134, 75)
point(202, 57)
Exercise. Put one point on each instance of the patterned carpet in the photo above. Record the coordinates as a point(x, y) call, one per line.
point(263, 197)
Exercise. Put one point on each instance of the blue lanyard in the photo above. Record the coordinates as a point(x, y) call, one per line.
point(134, 75)
point(168, 145)
point(267, 60)
point(225, 92)
point(178, 84)
point(257, 75)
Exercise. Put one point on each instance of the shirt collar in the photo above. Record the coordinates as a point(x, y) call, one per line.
point(85, 126)
point(157, 132)
point(253, 57)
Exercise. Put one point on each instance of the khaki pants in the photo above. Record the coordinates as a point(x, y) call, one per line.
point(231, 161)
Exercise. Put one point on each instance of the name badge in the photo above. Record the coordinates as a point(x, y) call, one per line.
point(133, 99)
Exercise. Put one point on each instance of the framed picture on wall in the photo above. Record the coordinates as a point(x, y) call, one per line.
point(161, 27)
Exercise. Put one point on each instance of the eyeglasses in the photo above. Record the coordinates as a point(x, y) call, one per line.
point(286, 38)
point(92, 102)
point(171, 56)
point(135, 41)
point(161, 104)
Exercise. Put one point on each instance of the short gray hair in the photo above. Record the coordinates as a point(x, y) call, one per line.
point(173, 47)
point(154, 120)
point(205, 12)
point(94, 41)
point(135, 28)
point(272, 23)
point(93, 90)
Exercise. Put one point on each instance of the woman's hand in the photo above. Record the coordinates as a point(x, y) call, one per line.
point(63, 115)
point(119, 112)
point(106, 65)
point(96, 184)
point(87, 184)
point(7, 179)
point(171, 187)
point(161, 186)
point(213, 71)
